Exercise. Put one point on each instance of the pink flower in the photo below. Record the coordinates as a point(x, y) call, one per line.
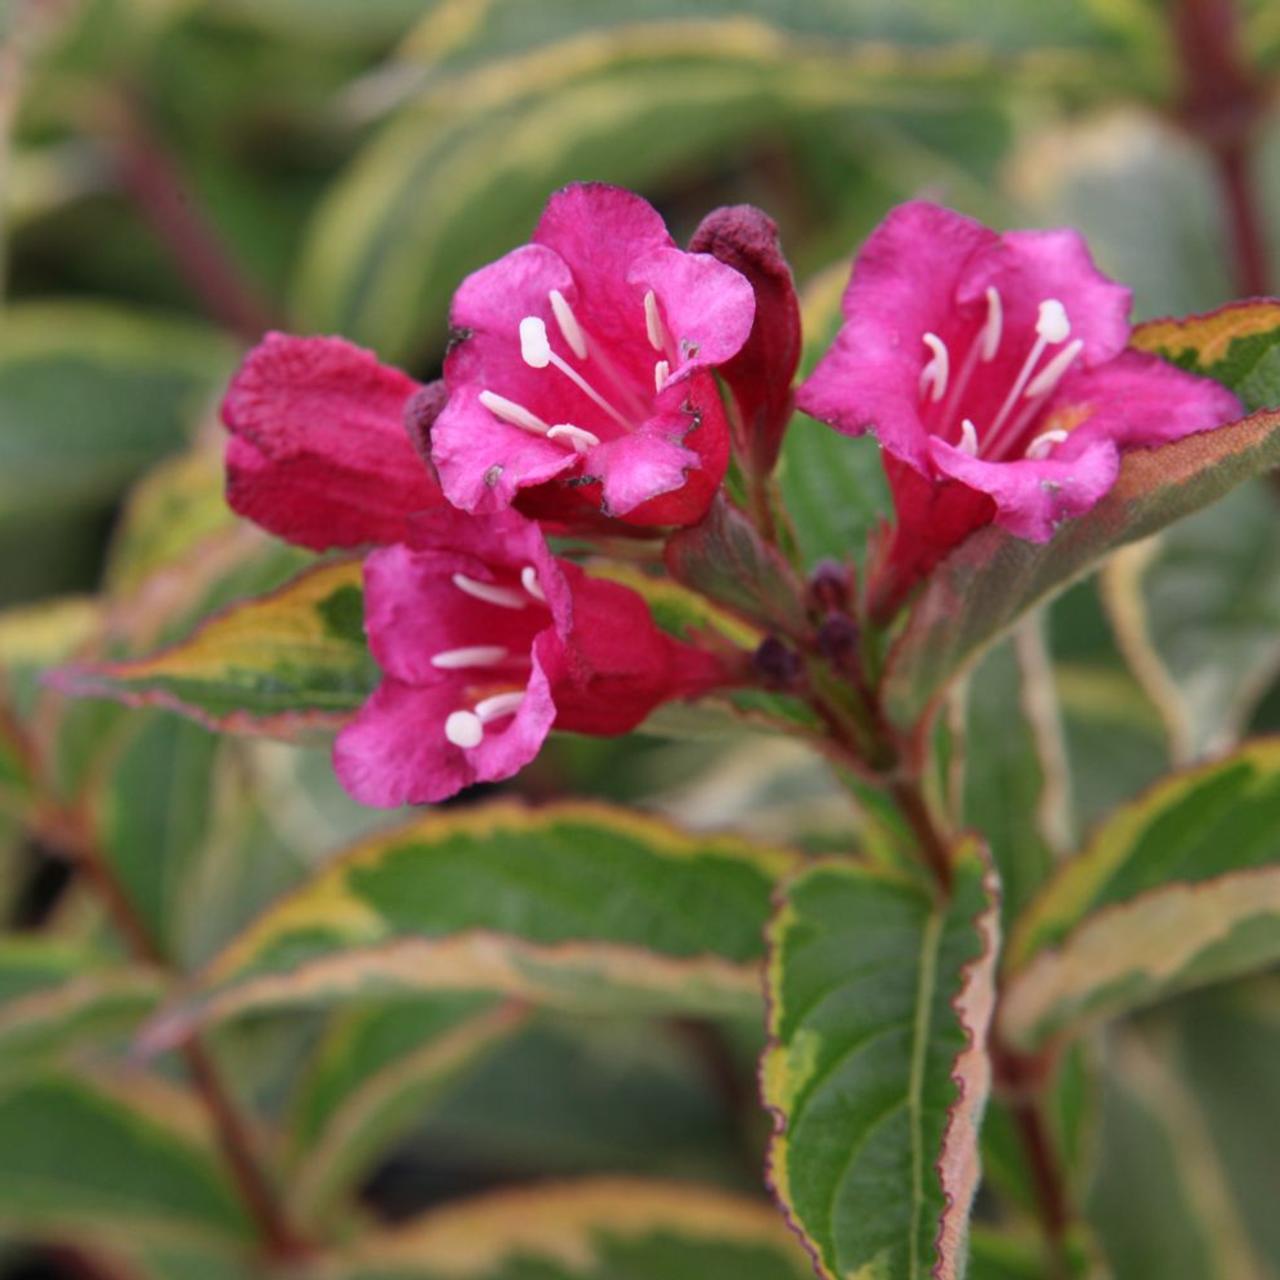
point(486, 641)
point(581, 371)
point(319, 454)
point(993, 371)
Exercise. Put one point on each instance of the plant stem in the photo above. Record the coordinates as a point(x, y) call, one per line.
point(1051, 1195)
point(153, 179)
point(278, 1237)
point(1222, 105)
point(934, 846)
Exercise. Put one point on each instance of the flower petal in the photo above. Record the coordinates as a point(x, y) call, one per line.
point(318, 453)
point(903, 285)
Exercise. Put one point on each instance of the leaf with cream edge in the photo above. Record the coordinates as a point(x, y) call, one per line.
point(55, 995)
point(144, 1166)
point(575, 905)
point(1237, 345)
point(993, 578)
point(286, 664)
point(877, 1070)
point(593, 1229)
point(370, 1079)
point(1179, 888)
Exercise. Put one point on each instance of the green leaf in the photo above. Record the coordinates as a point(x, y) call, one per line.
point(833, 487)
point(725, 559)
point(877, 1072)
point(54, 995)
point(1237, 345)
point(597, 1229)
point(373, 1075)
point(288, 663)
point(1197, 614)
point(992, 579)
point(576, 905)
point(112, 1163)
point(91, 395)
point(1179, 888)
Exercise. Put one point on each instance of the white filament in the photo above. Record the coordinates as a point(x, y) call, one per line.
point(501, 704)
point(529, 581)
point(510, 411)
point(1051, 374)
point(570, 330)
point(1043, 443)
point(476, 655)
point(968, 438)
point(489, 592)
point(653, 323)
point(661, 372)
point(934, 375)
point(579, 437)
point(994, 325)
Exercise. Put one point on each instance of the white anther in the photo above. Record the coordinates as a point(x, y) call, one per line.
point(510, 411)
point(476, 655)
point(568, 322)
point(464, 729)
point(489, 592)
point(535, 347)
point(1043, 443)
point(501, 704)
point(653, 323)
point(581, 439)
point(968, 438)
point(934, 376)
point(1049, 376)
point(529, 581)
point(994, 326)
point(661, 372)
point(1052, 324)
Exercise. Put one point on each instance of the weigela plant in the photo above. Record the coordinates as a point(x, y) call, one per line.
point(582, 522)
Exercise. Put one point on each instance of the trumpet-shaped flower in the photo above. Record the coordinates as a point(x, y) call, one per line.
point(486, 641)
point(993, 370)
point(580, 375)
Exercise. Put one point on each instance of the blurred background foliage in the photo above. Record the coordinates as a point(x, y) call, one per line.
point(177, 176)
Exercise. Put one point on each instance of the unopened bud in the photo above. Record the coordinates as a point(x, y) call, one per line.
point(838, 641)
point(777, 663)
point(830, 585)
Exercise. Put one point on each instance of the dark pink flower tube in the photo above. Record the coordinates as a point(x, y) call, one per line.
point(993, 370)
point(486, 641)
point(318, 453)
point(581, 374)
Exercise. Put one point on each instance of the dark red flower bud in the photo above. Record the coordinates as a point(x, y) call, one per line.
point(759, 376)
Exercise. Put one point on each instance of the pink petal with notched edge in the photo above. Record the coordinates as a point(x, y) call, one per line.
point(395, 752)
point(1034, 496)
point(707, 307)
point(903, 285)
point(318, 452)
point(1139, 400)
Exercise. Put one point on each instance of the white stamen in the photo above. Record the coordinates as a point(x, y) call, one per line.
point(476, 655)
point(529, 581)
point(653, 323)
point(581, 439)
point(489, 592)
point(535, 347)
point(968, 438)
point(934, 375)
point(570, 330)
point(1052, 323)
point(501, 704)
point(1049, 376)
point(994, 325)
point(464, 729)
point(661, 372)
point(1043, 443)
point(510, 411)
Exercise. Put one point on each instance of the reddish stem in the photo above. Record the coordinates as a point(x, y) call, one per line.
point(1222, 104)
point(153, 178)
point(277, 1235)
point(910, 798)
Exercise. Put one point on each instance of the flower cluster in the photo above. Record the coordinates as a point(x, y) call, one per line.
point(599, 382)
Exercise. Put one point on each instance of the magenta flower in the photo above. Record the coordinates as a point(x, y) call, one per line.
point(581, 373)
point(993, 371)
point(318, 452)
point(486, 641)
